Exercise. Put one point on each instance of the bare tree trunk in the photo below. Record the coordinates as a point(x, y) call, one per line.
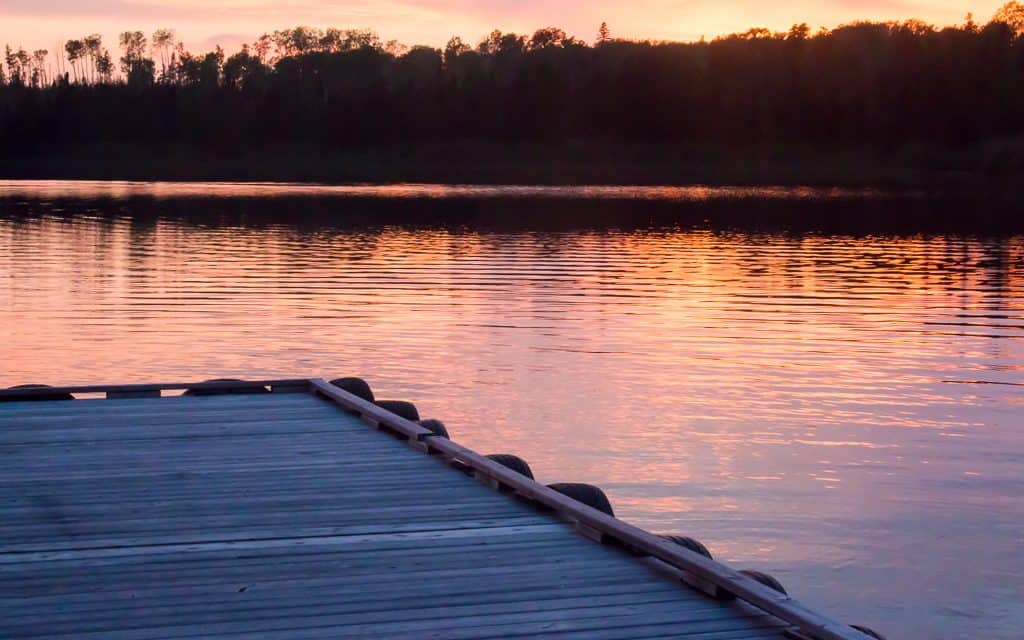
point(60, 56)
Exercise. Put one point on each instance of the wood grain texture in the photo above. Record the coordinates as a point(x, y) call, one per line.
point(285, 516)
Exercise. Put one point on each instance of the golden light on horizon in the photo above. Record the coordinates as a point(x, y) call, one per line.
point(433, 22)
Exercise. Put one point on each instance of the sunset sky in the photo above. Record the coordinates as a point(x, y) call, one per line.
point(202, 23)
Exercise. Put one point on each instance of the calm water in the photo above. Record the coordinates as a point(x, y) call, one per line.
point(841, 411)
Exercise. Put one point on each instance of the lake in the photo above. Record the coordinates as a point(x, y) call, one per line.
point(819, 395)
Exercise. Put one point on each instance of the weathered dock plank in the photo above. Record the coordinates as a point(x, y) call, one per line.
point(285, 516)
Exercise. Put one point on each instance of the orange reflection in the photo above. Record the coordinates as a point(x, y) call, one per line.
point(698, 376)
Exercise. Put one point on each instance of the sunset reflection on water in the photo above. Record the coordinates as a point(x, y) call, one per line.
point(128, 188)
point(840, 411)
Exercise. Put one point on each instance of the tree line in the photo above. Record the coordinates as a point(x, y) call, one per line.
point(861, 83)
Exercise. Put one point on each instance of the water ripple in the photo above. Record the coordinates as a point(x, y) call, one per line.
point(842, 411)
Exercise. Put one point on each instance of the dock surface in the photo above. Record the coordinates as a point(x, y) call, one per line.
point(284, 516)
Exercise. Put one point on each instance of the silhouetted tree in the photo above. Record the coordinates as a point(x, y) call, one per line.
point(547, 37)
point(39, 76)
point(105, 66)
point(395, 48)
point(137, 68)
point(799, 32)
point(861, 84)
point(24, 64)
point(454, 49)
point(244, 71)
point(261, 48)
point(1011, 14)
point(93, 44)
point(75, 50)
point(163, 46)
point(502, 43)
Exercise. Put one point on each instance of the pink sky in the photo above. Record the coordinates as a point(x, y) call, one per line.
point(203, 23)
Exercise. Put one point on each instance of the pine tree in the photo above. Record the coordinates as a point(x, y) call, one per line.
point(603, 34)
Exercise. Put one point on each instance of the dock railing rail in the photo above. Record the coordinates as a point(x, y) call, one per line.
point(809, 623)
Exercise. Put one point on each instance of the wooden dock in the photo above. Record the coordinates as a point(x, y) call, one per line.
point(307, 512)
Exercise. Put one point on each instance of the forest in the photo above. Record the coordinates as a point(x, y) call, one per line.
point(881, 86)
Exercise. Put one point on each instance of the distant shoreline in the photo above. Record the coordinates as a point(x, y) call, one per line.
point(436, 200)
point(990, 167)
